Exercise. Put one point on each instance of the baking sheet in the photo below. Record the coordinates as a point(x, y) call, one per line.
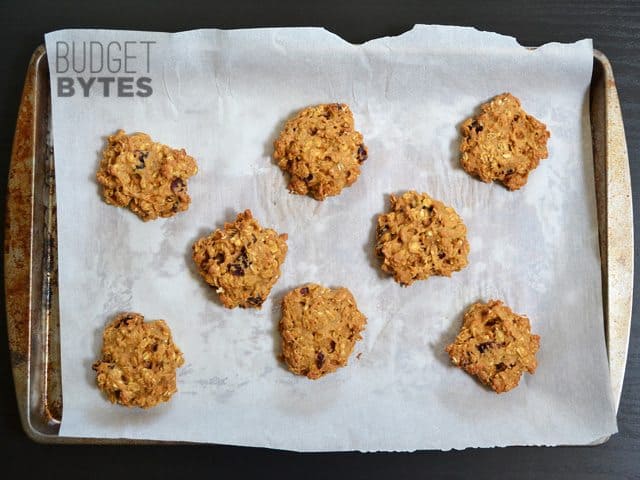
point(224, 95)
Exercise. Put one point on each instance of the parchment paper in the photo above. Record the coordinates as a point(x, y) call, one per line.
point(223, 96)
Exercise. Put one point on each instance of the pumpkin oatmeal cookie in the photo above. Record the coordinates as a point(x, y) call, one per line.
point(503, 142)
point(138, 363)
point(148, 178)
point(420, 237)
point(495, 345)
point(241, 261)
point(320, 150)
point(319, 328)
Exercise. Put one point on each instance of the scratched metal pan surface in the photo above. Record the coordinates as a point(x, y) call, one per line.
point(30, 260)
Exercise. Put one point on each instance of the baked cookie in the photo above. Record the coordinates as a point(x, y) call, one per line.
point(420, 237)
point(320, 150)
point(495, 345)
point(241, 261)
point(503, 143)
point(147, 177)
point(319, 328)
point(139, 362)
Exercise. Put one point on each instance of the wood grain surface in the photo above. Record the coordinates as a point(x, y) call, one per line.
point(615, 29)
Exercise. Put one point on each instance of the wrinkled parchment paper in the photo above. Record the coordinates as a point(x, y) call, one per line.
point(223, 96)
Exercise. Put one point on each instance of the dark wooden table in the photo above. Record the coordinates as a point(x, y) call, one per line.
point(615, 29)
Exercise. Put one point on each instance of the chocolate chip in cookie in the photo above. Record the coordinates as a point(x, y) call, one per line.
point(321, 150)
point(148, 178)
point(319, 328)
point(503, 142)
point(241, 261)
point(495, 345)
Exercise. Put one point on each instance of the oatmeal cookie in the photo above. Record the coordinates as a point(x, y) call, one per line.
point(320, 150)
point(420, 237)
point(503, 142)
point(139, 362)
point(147, 177)
point(241, 261)
point(495, 345)
point(319, 328)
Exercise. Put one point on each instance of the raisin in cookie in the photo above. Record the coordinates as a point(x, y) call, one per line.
point(319, 328)
point(139, 362)
point(420, 237)
point(495, 345)
point(503, 142)
point(321, 151)
point(241, 261)
point(147, 177)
